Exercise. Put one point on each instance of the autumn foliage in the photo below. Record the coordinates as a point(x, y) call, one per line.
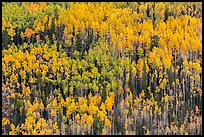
point(102, 68)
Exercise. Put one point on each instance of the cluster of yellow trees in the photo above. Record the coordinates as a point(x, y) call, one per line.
point(101, 68)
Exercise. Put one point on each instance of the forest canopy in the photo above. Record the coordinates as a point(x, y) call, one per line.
point(101, 68)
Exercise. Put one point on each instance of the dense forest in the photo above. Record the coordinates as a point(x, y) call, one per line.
point(102, 68)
